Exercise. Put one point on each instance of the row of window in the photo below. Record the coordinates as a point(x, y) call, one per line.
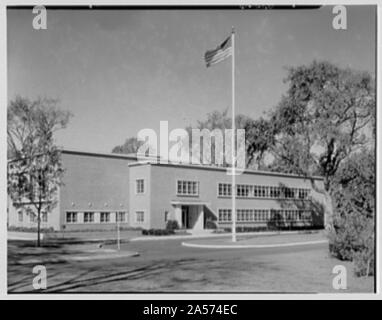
point(263, 215)
point(105, 217)
point(32, 216)
point(191, 188)
point(184, 187)
point(256, 191)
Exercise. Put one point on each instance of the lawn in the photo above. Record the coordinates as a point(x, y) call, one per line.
point(167, 266)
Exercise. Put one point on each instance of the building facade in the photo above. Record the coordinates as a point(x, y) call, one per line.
point(100, 191)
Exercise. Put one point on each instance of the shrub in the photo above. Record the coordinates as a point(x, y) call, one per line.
point(172, 225)
point(157, 232)
point(211, 224)
point(30, 229)
point(352, 237)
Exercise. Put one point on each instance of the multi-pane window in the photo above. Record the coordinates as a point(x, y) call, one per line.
point(71, 217)
point(225, 189)
point(224, 215)
point(242, 190)
point(120, 216)
point(264, 215)
point(303, 193)
point(44, 217)
point(139, 216)
point(289, 193)
point(105, 217)
point(258, 191)
point(140, 186)
point(187, 188)
point(32, 217)
point(88, 217)
point(20, 214)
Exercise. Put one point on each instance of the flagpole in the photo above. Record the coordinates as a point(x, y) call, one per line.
point(233, 191)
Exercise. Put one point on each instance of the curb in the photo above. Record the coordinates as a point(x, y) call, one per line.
point(214, 235)
point(254, 246)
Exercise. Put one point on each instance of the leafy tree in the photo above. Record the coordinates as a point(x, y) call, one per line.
point(325, 116)
point(352, 237)
point(222, 121)
point(34, 170)
point(131, 145)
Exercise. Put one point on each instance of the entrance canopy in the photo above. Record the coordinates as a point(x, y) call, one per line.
point(189, 203)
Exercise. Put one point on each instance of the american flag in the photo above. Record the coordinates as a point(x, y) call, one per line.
point(222, 52)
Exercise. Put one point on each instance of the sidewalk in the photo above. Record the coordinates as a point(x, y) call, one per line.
point(221, 235)
point(262, 241)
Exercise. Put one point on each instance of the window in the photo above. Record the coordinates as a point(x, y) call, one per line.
point(139, 216)
point(88, 217)
point(71, 217)
point(225, 190)
point(242, 190)
point(44, 217)
point(32, 217)
point(303, 193)
point(20, 214)
point(289, 193)
point(140, 186)
point(224, 215)
point(105, 217)
point(187, 188)
point(165, 216)
point(120, 216)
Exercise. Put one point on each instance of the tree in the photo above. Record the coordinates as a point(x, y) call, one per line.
point(34, 170)
point(325, 116)
point(131, 145)
point(352, 237)
point(221, 121)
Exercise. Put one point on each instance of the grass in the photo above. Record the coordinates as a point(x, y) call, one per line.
point(166, 266)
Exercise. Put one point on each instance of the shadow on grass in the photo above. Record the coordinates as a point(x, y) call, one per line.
point(163, 270)
point(80, 281)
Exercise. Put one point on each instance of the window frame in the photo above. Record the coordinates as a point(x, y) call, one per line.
point(137, 190)
point(117, 216)
point(73, 214)
point(197, 184)
point(92, 214)
point(103, 213)
point(143, 216)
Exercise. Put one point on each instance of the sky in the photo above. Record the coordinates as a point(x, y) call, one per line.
point(119, 71)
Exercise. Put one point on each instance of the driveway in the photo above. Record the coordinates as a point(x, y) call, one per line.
point(167, 266)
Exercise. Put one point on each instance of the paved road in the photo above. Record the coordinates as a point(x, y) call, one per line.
point(166, 266)
point(173, 249)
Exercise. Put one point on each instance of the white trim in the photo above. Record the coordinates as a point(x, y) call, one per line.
point(144, 187)
point(71, 222)
point(187, 195)
point(217, 190)
point(267, 197)
point(269, 211)
point(144, 216)
point(89, 222)
point(105, 222)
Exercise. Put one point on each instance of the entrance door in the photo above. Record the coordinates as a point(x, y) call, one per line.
point(185, 217)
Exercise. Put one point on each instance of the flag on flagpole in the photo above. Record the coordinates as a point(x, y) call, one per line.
point(222, 52)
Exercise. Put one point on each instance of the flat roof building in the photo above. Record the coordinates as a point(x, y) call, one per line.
point(100, 188)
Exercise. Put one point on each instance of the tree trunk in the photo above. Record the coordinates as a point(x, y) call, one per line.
point(329, 211)
point(38, 228)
